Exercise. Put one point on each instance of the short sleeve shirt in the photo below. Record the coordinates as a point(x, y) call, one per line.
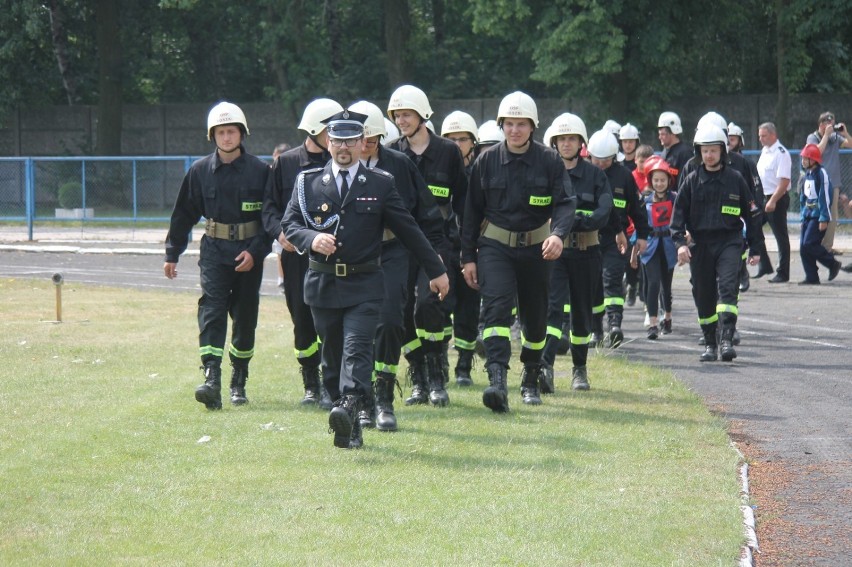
point(773, 166)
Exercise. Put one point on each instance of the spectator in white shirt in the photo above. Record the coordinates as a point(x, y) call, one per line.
point(774, 170)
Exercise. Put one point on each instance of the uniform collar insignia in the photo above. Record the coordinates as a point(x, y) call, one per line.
point(362, 178)
point(326, 178)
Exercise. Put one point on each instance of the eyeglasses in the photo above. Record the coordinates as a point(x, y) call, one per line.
point(460, 140)
point(827, 119)
point(349, 142)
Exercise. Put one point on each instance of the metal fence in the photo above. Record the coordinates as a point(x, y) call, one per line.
point(141, 190)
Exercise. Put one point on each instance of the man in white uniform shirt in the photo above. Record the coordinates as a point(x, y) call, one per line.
point(774, 170)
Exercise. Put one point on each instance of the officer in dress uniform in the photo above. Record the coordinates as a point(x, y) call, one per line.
point(576, 277)
point(338, 215)
point(520, 207)
point(227, 189)
point(313, 153)
point(712, 204)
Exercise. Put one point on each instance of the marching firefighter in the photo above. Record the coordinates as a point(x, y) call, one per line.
point(519, 209)
point(339, 214)
point(227, 189)
point(313, 153)
point(440, 162)
point(460, 128)
point(396, 260)
point(576, 275)
point(626, 209)
point(712, 204)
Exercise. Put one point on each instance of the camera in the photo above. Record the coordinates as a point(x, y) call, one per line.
point(840, 127)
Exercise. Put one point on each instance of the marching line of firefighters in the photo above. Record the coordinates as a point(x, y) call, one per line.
point(397, 241)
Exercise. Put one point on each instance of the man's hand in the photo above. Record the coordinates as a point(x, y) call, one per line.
point(170, 269)
point(684, 255)
point(470, 275)
point(440, 285)
point(770, 206)
point(551, 248)
point(753, 260)
point(324, 244)
point(621, 242)
point(642, 244)
point(285, 244)
point(823, 226)
point(245, 261)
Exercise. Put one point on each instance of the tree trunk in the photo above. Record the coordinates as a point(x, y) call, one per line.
point(60, 47)
point(781, 121)
point(438, 10)
point(335, 38)
point(109, 79)
point(397, 33)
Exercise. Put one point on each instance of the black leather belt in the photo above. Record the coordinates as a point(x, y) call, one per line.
point(661, 233)
point(343, 270)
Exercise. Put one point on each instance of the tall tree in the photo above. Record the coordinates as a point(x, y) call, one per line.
point(109, 79)
point(397, 33)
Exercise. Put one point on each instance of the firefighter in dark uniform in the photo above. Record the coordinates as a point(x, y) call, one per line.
point(735, 147)
point(576, 276)
point(227, 189)
point(520, 207)
point(460, 128)
point(626, 208)
point(395, 262)
point(313, 153)
point(440, 163)
point(675, 152)
point(711, 205)
point(339, 213)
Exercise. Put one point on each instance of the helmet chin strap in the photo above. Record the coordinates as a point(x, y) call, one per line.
point(315, 140)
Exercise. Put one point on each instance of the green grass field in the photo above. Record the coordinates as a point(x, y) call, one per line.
point(101, 460)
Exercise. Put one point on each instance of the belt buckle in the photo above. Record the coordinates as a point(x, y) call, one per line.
point(521, 240)
point(340, 270)
point(232, 232)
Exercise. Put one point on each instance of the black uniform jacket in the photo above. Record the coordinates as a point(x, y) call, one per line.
point(517, 192)
point(229, 193)
point(710, 205)
point(677, 155)
point(371, 204)
point(626, 203)
point(736, 162)
point(415, 195)
point(594, 197)
point(284, 172)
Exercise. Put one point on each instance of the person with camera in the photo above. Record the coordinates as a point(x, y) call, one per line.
point(829, 137)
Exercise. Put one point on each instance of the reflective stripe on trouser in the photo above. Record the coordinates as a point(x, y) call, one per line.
point(225, 292)
point(305, 343)
point(391, 329)
point(423, 315)
point(715, 271)
point(507, 274)
point(465, 313)
point(575, 279)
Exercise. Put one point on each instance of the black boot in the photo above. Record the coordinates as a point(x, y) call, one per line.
point(367, 414)
point(445, 361)
point(385, 418)
point(210, 393)
point(579, 378)
point(417, 379)
point(343, 420)
point(356, 439)
point(631, 295)
point(545, 379)
point(325, 397)
point(311, 380)
point(710, 353)
point(239, 375)
point(463, 367)
point(529, 384)
point(726, 348)
point(616, 336)
point(496, 395)
point(435, 378)
point(745, 278)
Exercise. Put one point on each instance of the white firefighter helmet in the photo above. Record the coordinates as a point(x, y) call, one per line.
point(734, 130)
point(671, 121)
point(458, 121)
point(226, 113)
point(713, 118)
point(490, 133)
point(710, 135)
point(612, 126)
point(628, 132)
point(409, 97)
point(317, 111)
point(375, 123)
point(392, 130)
point(517, 105)
point(603, 145)
point(430, 126)
point(566, 124)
